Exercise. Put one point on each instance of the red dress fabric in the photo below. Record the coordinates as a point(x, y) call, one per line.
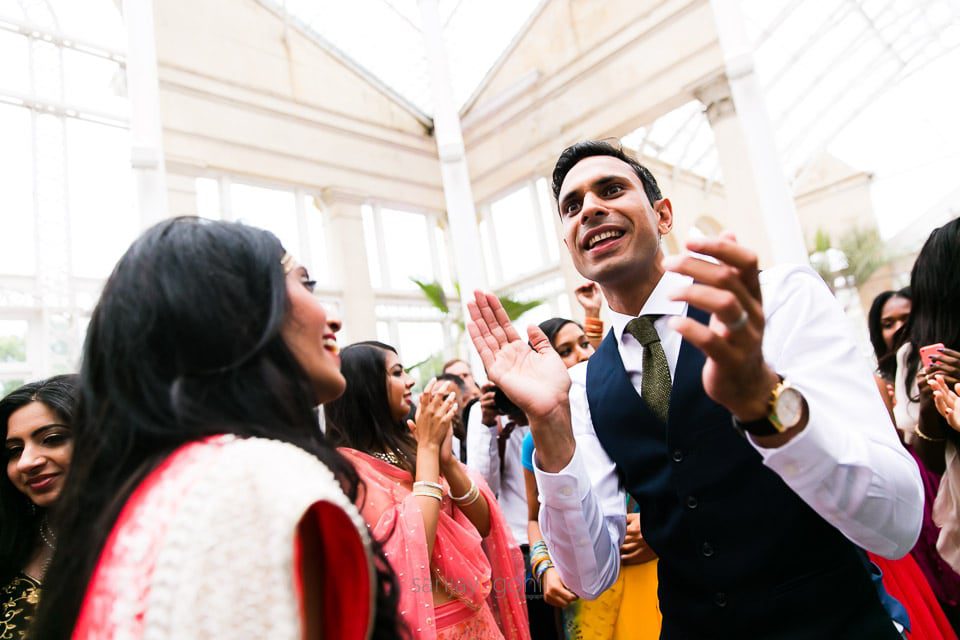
point(904, 581)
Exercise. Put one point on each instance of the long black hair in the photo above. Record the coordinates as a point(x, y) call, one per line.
point(361, 418)
point(935, 287)
point(184, 343)
point(19, 517)
point(886, 358)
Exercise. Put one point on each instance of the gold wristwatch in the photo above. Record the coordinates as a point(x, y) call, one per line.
point(786, 409)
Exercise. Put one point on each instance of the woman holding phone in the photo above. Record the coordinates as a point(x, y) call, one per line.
point(934, 318)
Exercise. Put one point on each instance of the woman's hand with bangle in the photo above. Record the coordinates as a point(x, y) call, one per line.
point(590, 298)
point(555, 593)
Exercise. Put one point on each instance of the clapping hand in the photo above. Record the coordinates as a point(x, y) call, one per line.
point(735, 374)
point(433, 426)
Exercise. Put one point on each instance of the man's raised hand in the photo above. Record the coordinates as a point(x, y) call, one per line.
point(534, 379)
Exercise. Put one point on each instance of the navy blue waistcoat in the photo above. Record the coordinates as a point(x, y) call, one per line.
point(741, 555)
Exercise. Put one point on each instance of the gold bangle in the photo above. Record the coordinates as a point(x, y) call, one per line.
point(923, 436)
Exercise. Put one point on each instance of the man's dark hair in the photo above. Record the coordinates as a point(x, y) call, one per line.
point(457, 380)
point(589, 148)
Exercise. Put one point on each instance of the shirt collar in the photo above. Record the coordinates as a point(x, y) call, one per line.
point(659, 302)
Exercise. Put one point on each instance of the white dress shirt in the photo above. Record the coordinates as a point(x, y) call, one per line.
point(483, 456)
point(847, 463)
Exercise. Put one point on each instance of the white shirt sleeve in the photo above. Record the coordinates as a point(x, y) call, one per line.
point(848, 463)
point(582, 507)
point(482, 453)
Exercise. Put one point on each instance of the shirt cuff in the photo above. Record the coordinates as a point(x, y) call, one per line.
point(566, 489)
point(809, 457)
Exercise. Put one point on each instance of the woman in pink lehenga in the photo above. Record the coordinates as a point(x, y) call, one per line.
point(459, 568)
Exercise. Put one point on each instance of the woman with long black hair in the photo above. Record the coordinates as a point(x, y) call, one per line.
point(459, 568)
point(35, 421)
point(934, 318)
point(203, 501)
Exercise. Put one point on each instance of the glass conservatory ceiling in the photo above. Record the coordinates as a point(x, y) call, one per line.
point(838, 76)
point(384, 37)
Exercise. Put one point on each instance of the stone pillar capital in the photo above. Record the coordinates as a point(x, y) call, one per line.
point(716, 97)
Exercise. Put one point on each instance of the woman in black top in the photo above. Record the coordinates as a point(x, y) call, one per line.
point(38, 445)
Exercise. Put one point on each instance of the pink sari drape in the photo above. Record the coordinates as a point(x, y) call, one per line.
point(478, 572)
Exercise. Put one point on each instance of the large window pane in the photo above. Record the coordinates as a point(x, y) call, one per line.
point(14, 72)
point(93, 82)
point(208, 198)
point(16, 186)
point(407, 248)
point(317, 239)
point(103, 217)
point(370, 243)
point(269, 209)
point(13, 340)
point(518, 234)
point(419, 341)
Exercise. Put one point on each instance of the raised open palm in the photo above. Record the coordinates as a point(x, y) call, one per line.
point(536, 379)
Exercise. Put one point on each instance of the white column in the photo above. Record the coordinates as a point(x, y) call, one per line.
point(752, 170)
point(349, 252)
point(453, 162)
point(143, 90)
point(461, 212)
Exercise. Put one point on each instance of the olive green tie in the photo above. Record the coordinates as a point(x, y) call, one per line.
point(655, 385)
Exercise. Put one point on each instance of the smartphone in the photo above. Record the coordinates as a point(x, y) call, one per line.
point(927, 352)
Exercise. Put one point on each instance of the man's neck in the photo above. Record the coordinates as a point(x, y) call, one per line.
point(628, 295)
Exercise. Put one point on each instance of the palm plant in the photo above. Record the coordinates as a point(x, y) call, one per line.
point(435, 294)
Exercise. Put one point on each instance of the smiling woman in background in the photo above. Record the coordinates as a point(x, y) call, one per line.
point(38, 446)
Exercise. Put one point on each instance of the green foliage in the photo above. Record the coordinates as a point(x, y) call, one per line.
point(13, 349)
point(515, 308)
point(433, 291)
point(865, 252)
point(436, 296)
point(6, 386)
point(821, 241)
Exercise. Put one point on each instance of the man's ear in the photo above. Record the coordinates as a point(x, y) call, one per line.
point(665, 212)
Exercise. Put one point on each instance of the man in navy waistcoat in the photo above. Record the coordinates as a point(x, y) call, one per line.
point(731, 404)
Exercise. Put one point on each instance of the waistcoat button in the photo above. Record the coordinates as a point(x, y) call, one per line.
point(691, 502)
point(720, 599)
point(706, 549)
point(677, 455)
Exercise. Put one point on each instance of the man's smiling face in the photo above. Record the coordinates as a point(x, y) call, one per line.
point(609, 225)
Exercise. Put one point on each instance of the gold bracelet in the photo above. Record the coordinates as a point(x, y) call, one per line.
point(923, 436)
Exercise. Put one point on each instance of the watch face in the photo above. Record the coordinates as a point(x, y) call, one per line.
point(789, 407)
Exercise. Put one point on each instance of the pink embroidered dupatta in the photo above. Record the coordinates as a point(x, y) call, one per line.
point(479, 572)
